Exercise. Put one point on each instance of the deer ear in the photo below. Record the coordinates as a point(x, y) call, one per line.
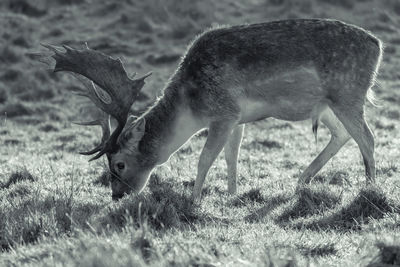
point(135, 131)
point(138, 129)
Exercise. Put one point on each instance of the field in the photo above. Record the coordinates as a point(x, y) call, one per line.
point(56, 207)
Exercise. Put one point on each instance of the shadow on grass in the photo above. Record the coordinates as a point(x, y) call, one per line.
point(333, 177)
point(206, 190)
point(260, 144)
point(254, 195)
point(309, 202)
point(389, 255)
point(370, 203)
point(319, 250)
point(271, 204)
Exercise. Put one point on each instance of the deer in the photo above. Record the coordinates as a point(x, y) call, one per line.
point(293, 70)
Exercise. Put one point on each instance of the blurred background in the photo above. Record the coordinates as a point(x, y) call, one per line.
point(150, 35)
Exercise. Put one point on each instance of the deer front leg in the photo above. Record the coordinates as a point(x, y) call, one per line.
point(218, 134)
point(232, 149)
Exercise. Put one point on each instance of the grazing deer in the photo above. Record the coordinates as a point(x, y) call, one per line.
point(291, 70)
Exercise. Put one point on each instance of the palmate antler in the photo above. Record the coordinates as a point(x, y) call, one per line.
point(109, 74)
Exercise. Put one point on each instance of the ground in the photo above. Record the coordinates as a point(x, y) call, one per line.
point(56, 207)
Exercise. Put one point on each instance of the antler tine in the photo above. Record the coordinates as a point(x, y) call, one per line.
point(116, 92)
point(53, 48)
point(104, 122)
point(91, 152)
point(68, 48)
point(104, 126)
point(88, 123)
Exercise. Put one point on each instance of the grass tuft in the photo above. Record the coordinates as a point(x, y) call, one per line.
point(29, 212)
point(370, 203)
point(20, 189)
point(22, 228)
point(311, 201)
point(254, 195)
point(32, 230)
point(388, 169)
point(161, 208)
point(17, 177)
point(142, 241)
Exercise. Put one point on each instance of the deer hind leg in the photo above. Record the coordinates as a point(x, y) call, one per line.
point(231, 149)
point(339, 137)
point(352, 117)
point(218, 134)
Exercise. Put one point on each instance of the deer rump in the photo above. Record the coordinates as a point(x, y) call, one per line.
point(281, 69)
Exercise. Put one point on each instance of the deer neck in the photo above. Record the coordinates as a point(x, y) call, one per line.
point(169, 125)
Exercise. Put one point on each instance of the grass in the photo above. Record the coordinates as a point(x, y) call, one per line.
point(309, 202)
point(163, 208)
point(369, 204)
point(56, 208)
point(17, 177)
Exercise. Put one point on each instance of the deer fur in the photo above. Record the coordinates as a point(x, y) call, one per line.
point(291, 70)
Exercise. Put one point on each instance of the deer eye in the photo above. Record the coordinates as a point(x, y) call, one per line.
point(120, 166)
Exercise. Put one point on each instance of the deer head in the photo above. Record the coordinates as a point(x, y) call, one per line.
point(107, 86)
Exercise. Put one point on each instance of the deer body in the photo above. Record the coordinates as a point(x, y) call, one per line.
point(290, 70)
